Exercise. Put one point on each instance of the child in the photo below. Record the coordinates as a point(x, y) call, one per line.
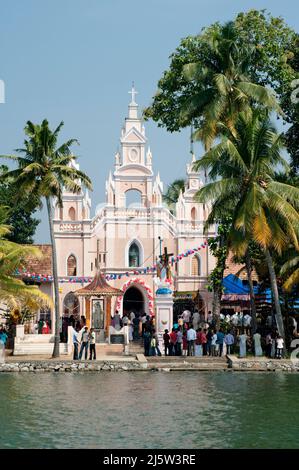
point(279, 343)
point(185, 344)
point(153, 346)
point(166, 339)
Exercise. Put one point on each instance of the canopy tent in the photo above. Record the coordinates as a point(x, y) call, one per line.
point(236, 289)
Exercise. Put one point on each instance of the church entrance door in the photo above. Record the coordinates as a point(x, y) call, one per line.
point(133, 301)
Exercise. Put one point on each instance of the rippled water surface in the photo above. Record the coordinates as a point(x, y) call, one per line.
point(149, 410)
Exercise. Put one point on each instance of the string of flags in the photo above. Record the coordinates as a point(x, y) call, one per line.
point(110, 276)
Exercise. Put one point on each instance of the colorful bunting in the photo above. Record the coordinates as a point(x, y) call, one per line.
point(111, 276)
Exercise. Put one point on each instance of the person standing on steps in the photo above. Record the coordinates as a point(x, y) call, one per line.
point(191, 337)
point(229, 341)
point(92, 344)
point(173, 340)
point(84, 343)
point(179, 341)
point(147, 342)
point(166, 340)
point(220, 339)
point(279, 347)
point(75, 345)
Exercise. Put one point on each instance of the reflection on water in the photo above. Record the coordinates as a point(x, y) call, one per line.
point(149, 410)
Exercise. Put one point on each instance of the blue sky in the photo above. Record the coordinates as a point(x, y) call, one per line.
point(74, 60)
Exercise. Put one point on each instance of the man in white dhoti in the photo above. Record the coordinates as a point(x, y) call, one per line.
point(196, 320)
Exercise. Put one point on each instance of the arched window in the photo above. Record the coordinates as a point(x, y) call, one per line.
point(193, 216)
point(195, 266)
point(72, 213)
point(134, 255)
point(71, 266)
point(133, 198)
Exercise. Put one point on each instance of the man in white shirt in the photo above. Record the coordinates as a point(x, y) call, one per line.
point(247, 322)
point(84, 343)
point(191, 337)
point(186, 316)
point(235, 319)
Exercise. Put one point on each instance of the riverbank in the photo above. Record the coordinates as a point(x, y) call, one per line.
point(141, 363)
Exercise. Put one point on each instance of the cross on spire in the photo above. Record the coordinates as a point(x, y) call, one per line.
point(133, 93)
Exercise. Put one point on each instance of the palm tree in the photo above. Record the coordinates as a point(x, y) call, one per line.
point(173, 192)
point(14, 293)
point(226, 87)
point(44, 169)
point(242, 172)
point(290, 271)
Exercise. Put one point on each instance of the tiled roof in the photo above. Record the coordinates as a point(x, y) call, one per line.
point(236, 269)
point(99, 286)
point(42, 265)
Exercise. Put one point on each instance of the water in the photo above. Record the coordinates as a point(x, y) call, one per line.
point(149, 410)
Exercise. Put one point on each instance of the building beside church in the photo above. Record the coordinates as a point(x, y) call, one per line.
point(124, 239)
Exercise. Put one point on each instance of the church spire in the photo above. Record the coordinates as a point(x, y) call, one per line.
point(133, 106)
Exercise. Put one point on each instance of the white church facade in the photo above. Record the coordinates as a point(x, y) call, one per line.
point(125, 240)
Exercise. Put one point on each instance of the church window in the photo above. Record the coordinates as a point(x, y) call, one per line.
point(134, 255)
point(195, 266)
point(71, 266)
point(193, 216)
point(133, 198)
point(72, 213)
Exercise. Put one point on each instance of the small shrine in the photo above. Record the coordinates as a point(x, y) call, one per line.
point(98, 296)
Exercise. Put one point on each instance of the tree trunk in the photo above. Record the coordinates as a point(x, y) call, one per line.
point(274, 288)
point(55, 278)
point(251, 291)
point(216, 307)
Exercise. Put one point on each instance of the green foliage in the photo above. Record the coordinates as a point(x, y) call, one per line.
point(13, 292)
point(243, 182)
point(218, 71)
point(218, 246)
point(44, 167)
point(23, 224)
point(172, 194)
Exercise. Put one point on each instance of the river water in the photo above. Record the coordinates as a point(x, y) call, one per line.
point(149, 410)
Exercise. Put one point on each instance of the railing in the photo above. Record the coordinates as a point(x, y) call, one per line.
point(71, 227)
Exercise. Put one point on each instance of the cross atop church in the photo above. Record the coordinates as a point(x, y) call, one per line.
point(133, 93)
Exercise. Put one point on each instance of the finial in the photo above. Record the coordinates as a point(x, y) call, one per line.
point(133, 93)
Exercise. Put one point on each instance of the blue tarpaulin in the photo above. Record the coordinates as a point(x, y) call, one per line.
point(234, 285)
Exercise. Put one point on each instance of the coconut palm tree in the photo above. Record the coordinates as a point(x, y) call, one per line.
point(242, 172)
point(290, 271)
point(14, 293)
point(44, 169)
point(173, 192)
point(226, 86)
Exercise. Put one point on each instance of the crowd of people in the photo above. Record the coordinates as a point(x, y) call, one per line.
point(84, 341)
point(192, 335)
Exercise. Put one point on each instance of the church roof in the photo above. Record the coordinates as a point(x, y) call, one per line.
point(99, 287)
point(41, 265)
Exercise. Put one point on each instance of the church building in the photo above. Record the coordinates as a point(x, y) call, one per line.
point(124, 239)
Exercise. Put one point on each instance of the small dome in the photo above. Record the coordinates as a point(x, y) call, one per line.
point(163, 290)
